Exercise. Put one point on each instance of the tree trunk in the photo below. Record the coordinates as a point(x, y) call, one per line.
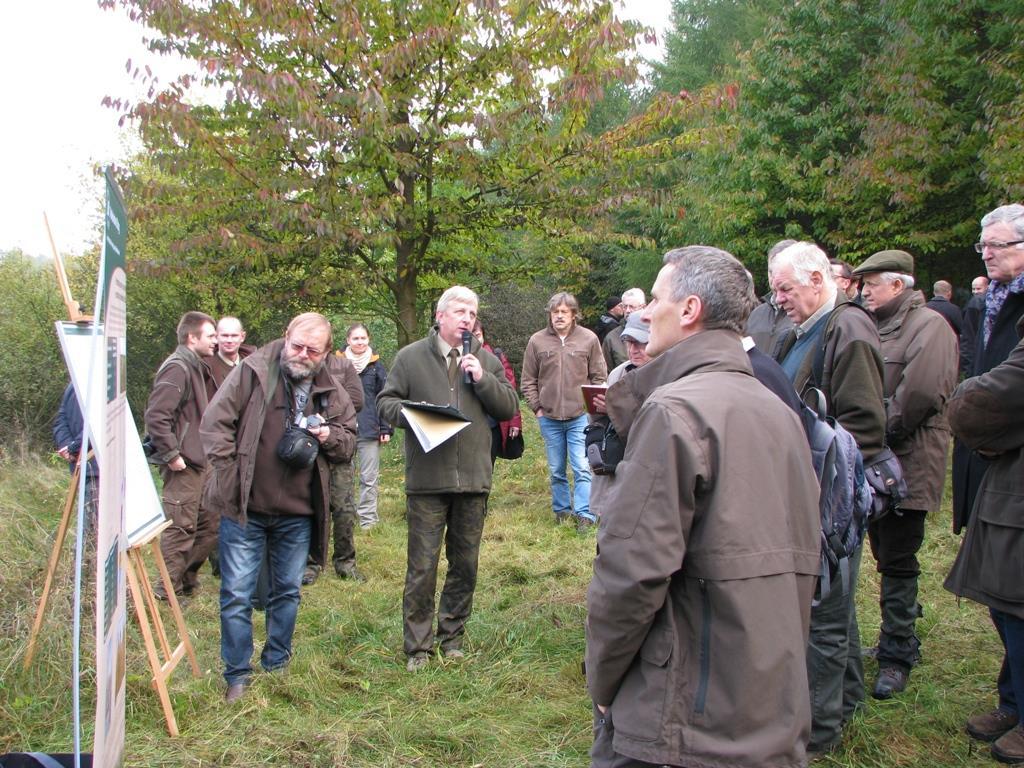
point(405, 294)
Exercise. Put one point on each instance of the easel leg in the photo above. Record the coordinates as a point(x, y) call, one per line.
point(141, 598)
point(172, 600)
point(51, 568)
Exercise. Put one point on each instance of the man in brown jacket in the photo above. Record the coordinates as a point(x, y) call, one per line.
point(920, 351)
point(708, 545)
point(172, 417)
point(231, 348)
point(557, 361)
point(269, 498)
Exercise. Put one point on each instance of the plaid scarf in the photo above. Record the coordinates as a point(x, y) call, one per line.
point(996, 297)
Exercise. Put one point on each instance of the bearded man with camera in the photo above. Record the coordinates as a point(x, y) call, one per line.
point(270, 433)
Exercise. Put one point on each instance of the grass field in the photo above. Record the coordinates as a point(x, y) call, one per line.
point(346, 700)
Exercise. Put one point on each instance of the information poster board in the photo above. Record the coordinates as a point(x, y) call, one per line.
point(143, 512)
point(108, 745)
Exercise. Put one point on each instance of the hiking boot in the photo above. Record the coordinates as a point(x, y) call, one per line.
point(1009, 748)
point(991, 725)
point(583, 524)
point(453, 654)
point(891, 680)
point(234, 692)
point(348, 571)
point(561, 517)
point(416, 662)
point(310, 576)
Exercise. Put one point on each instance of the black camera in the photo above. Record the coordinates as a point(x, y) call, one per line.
point(298, 448)
point(604, 447)
point(315, 421)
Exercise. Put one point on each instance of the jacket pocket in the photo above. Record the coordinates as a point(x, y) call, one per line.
point(222, 492)
point(640, 704)
point(998, 551)
point(624, 508)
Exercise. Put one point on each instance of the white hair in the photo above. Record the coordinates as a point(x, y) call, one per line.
point(457, 293)
point(891, 277)
point(634, 296)
point(804, 258)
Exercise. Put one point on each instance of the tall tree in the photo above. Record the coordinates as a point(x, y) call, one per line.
point(360, 135)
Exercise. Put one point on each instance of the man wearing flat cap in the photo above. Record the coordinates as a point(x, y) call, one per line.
point(920, 353)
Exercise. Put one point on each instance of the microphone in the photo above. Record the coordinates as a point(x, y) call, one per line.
point(466, 338)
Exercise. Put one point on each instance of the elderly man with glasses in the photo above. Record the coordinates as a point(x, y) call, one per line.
point(1002, 251)
point(269, 433)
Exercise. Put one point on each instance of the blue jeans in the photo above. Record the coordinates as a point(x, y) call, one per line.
point(1011, 675)
point(564, 439)
point(286, 538)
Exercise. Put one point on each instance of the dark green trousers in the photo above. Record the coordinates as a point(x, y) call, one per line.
point(457, 521)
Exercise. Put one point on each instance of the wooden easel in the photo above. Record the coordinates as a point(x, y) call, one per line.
point(153, 632)
point(162, 660)
point(74, 308)
point(51, 568)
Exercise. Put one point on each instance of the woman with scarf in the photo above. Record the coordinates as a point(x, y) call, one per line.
point(372, 429)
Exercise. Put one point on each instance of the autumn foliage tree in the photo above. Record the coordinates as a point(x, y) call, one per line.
point(358, 137)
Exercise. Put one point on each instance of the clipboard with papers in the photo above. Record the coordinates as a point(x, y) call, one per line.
point(433, 424)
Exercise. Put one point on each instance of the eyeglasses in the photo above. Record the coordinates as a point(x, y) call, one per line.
point(995, 245)
point(298, 349)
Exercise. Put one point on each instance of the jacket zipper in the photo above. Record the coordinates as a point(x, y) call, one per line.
point(705, 649)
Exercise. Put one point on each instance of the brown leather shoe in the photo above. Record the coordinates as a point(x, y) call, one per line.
point(991, 725)
point(235, 691)
point(1009, 748)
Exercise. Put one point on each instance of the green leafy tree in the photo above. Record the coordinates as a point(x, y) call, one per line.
point(707, 37)
point(34, 375)
point(359, 138)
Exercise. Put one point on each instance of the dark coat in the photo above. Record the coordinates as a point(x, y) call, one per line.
point(969, 467)
point(175, 408)
point(614, 348)
point(236, 418)
point(219, 369)
point(373, 378)
point(67, 429)
point(987, 414)
point(708, 549)
point(972, 314)
point(948, 310)
point(920, 354)
point(767, 324)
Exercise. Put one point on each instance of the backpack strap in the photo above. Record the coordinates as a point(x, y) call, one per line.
point(177, 362)
point(818, 366)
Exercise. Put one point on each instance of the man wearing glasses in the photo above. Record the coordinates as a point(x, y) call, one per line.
point(269, 433)
point(1002, 252)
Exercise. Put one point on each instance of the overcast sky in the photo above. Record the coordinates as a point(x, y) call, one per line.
point(59, 59)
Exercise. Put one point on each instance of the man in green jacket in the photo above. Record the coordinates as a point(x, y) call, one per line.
point(447, 487)
point(834, 346)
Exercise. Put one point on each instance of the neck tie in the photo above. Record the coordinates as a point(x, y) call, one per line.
point(453, 367)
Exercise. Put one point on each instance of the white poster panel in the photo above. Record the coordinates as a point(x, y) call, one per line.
point(144, 515)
